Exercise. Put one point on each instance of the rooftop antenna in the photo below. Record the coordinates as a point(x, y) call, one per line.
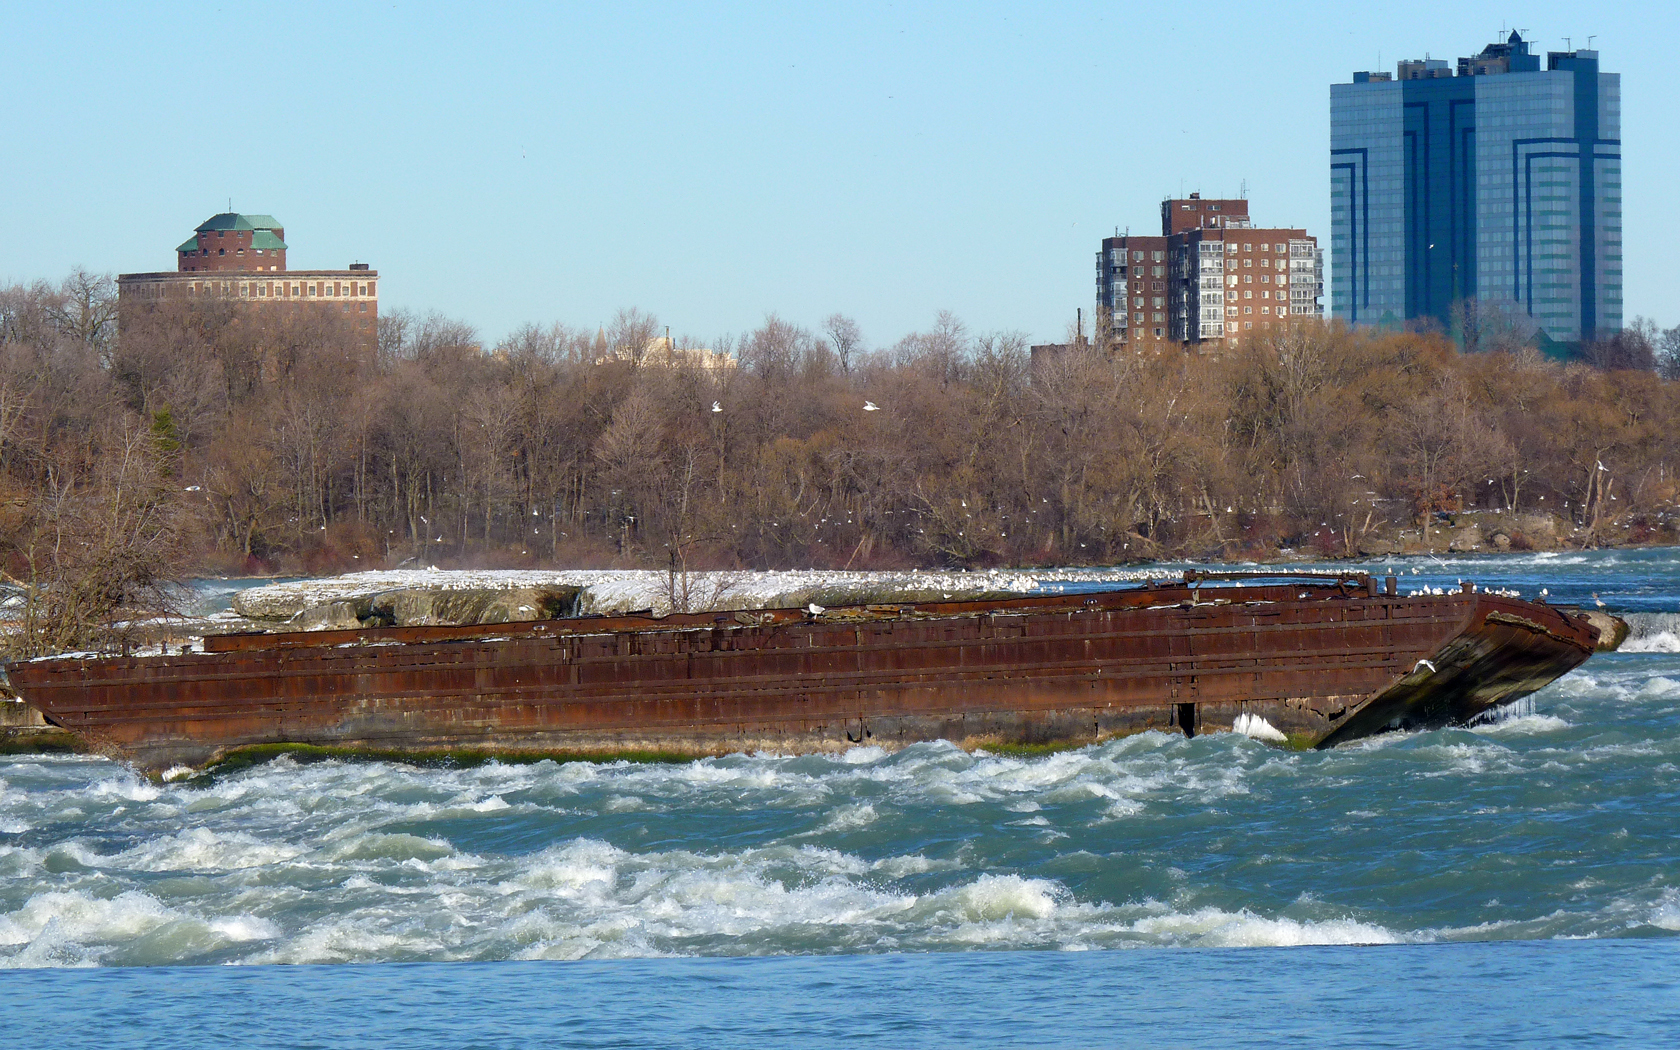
point(1590, 40)
point(1244, 192)
point(230, 204)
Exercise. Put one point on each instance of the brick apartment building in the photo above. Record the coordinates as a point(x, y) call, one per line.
point(243, 258)
point(1208, 278)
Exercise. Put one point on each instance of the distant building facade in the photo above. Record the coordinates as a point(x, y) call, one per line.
point(663, 352)
point(1497, 181)
point(1211, 276)
point(243, 258)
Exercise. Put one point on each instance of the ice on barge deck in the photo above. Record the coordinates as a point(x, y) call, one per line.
point(1323, 660)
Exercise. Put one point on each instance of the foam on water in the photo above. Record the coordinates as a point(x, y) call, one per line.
point(1652, 632)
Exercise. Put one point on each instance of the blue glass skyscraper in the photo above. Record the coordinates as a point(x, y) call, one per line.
point(1500, 185)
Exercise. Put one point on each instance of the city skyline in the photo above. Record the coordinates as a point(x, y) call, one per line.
point(715, 165)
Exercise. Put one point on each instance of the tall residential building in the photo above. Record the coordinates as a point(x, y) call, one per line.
point(1498, 182)
point(243, 258)
point(1211, 276)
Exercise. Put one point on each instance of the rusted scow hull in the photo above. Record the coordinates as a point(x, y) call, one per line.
point(1321, 663)
point(1507, 651)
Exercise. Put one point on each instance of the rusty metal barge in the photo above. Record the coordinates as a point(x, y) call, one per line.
point(1321, 660)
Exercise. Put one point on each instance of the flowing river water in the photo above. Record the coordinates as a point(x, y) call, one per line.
point(1535, 854)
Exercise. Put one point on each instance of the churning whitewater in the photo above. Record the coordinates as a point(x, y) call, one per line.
point(1553, 820)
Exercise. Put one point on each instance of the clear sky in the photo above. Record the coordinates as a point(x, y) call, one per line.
point(710, 164)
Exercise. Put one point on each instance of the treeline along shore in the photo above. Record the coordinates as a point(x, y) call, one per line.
point(201, 438)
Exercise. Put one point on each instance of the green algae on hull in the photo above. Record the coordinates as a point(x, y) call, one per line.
point(252, 755)
point(32, 741)
point(1052, 747)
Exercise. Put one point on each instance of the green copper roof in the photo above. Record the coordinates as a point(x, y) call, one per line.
point(190, 246)
point(233, 221)
point(265, 239)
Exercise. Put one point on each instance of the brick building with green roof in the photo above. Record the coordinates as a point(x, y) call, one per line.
point(231, 241)
point(243, 258)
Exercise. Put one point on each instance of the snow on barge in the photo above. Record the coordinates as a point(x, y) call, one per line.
point(1320, 658)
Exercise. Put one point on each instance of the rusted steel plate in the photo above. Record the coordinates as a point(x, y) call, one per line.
point(1307, 657)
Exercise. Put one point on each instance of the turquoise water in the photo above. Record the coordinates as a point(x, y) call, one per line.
point(1521, 994)
point(1107, 896)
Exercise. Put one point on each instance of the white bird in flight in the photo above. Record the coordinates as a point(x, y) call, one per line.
point(870, 406)
point(716, 407)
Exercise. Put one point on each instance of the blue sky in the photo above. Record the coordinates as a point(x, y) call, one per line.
point(714, 163)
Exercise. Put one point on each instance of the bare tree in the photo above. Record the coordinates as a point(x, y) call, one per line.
point(1668, 353)
point(86, 310)
point(844, 337)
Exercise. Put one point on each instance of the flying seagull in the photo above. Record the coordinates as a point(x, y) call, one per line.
point(716, 407)
point(870, 406)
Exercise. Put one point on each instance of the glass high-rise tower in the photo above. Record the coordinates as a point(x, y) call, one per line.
point(1501, 184)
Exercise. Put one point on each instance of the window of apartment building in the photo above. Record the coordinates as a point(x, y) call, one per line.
point(221, 251)
point(1158, 256)
point(1139, 318)
point(1248, 278)
point(1248, 246)
point(361, 307)
point(1249, 294)
point(1248, 309)
point(1233, 296)
point(1139, 301)
point(1160, 301)
point(1137, 256)
point(1159, 317)
point(1265, 278)
point(1265, 247)
point(1160, 333)
point(1279, 249)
